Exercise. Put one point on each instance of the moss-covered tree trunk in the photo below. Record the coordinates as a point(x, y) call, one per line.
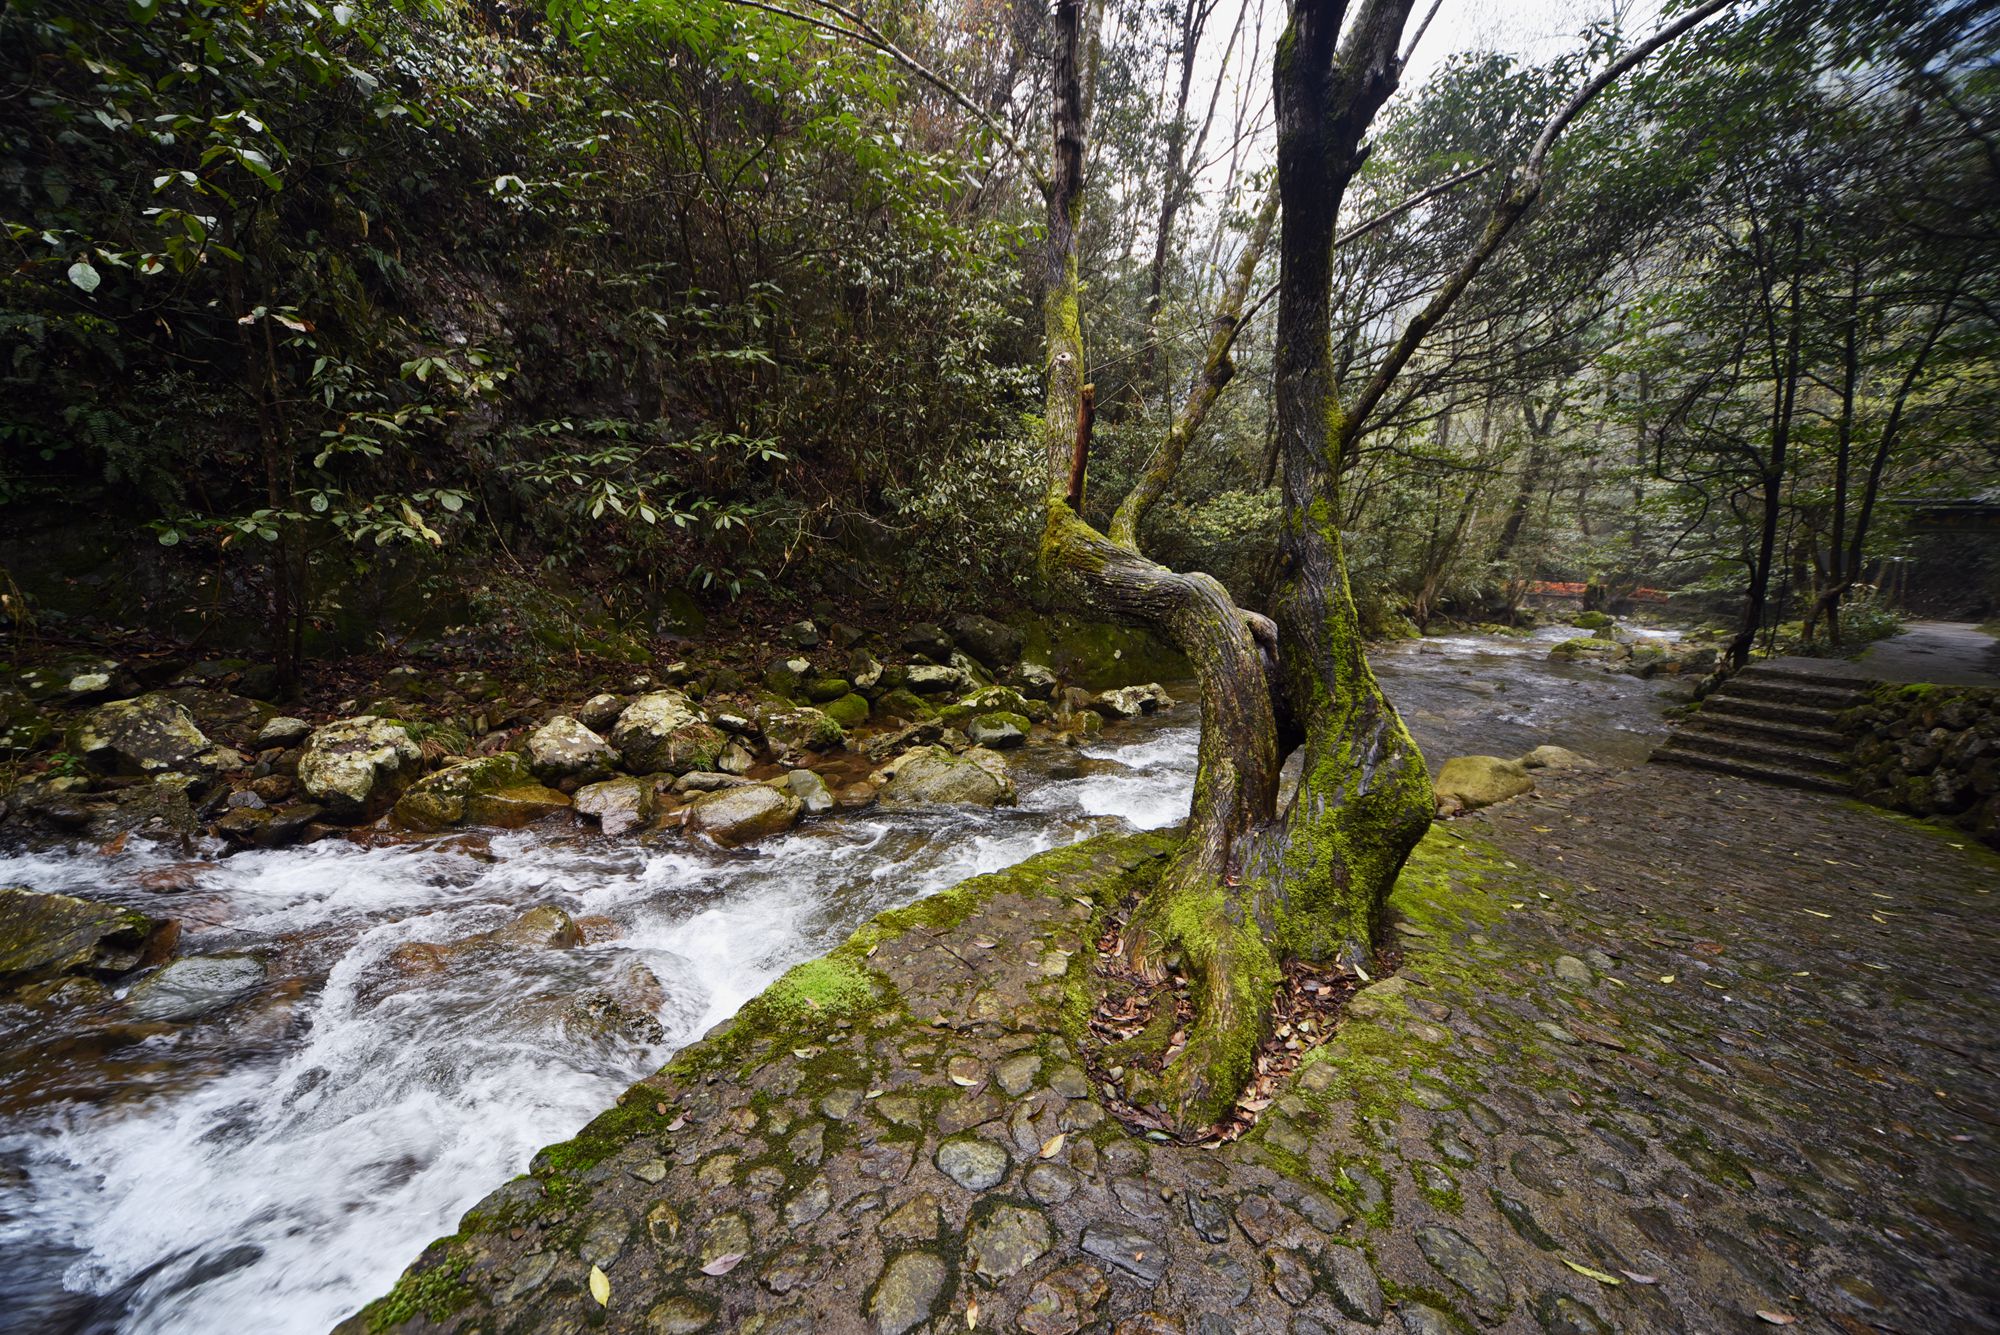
point(1250, 885)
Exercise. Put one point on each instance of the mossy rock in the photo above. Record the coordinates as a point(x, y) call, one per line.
point(905, 704)
point(45, 936)
point(822, 689)
point(1466, 783)
point(441, 800)
point(514, 806)
point(849, 711)
point(1593, 620)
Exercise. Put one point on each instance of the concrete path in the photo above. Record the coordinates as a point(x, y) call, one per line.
point(1666, 1052)
point(1947, 653)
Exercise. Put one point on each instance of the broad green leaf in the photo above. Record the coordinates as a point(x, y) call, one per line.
point(84, 276)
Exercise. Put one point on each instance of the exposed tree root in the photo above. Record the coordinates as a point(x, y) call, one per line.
point(1139, 1024)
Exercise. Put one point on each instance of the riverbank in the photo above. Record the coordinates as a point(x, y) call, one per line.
point(1639, 1071)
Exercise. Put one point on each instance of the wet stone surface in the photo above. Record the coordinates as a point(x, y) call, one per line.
point(1666, 1052)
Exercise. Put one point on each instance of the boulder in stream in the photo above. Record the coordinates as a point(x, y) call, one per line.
point(143, 737)
point(514, 806)
point(438, 801)
point(617, 805)
point(662, 732)
point(803, 729)
point(1590, 649)
point(1466, 783)
point(197, 985)
point(933, 776)
point(1556, 758)
point(1000, 730)
point(563, 748)
point(733, 817)
point(44, 937)
point(1132, 701)
point(809, 788)
point(356, 768)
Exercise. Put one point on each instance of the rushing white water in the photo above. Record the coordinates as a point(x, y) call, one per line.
point(275, 1167)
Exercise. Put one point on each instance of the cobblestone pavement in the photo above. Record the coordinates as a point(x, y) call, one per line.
point(1667, 1052)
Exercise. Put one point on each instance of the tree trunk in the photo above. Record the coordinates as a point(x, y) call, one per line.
point(1784, 394)
point(1251, 886)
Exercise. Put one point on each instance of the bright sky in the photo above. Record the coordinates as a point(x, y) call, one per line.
point(1535, 30)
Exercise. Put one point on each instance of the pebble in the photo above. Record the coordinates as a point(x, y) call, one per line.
point(1356, 1291)
point(1452, 1254)
point(973, 1162)
point(1007, 1240)
point(1051, 1183)
point(907, 1293)
point(1136, 1254)
point(679, 1315)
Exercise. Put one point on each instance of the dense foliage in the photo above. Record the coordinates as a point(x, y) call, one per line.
point(715, 297)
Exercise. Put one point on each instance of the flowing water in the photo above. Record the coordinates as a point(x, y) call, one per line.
point(276, 1165)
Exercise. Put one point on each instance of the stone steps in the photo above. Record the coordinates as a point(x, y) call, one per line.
point(1800, 694)
point(1746, 769)
point(1811, 676)
point(1763, 751)
point(1721, 717)
point(1774, 722)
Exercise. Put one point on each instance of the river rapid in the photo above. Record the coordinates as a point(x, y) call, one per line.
point(276, 1165)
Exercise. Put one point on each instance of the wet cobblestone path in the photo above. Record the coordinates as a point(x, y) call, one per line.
point(1668, 1052)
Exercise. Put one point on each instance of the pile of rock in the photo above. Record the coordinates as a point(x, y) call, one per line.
point(835, 718)
point(1931, 751)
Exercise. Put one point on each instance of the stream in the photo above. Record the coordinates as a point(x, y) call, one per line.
point(276, 1165)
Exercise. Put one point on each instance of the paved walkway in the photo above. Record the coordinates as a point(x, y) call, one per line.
point(1948, 653)
point(1667, 1052)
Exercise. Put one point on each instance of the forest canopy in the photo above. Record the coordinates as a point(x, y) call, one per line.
point(728, 299)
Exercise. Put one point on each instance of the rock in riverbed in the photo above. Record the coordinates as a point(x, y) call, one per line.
point(933, 776)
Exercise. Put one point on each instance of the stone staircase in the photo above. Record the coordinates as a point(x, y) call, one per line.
point(1778, 721)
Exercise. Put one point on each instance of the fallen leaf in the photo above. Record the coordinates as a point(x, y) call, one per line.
point(1816, 913)
point(972, 1314)
point(965, 1081)
point(1666, 978)
point(1638, 1278)
point(723, 1264)
point(1588, 1273)
point(677, 1124)
point(1053, 1145)
point(1777, 1318)
point(600, 1286)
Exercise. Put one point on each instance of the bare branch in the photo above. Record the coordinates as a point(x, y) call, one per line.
point(1513, 205)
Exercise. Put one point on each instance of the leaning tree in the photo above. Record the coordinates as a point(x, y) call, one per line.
point(1252, 883)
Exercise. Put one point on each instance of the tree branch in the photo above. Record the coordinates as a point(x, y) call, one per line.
point(1513, 205)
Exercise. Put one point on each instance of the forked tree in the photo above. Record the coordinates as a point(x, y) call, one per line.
point(1253, 884)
